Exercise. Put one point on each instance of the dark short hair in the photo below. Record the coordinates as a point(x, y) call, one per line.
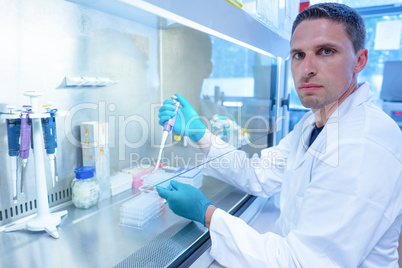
point(337, 13)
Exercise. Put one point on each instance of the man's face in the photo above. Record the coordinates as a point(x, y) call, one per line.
point(322, 62)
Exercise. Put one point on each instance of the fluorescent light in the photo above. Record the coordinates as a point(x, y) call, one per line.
point(179, 19)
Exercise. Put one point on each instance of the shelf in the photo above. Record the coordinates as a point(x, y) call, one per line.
point(215, 17)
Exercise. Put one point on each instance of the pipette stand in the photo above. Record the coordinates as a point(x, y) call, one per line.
point(44, 220)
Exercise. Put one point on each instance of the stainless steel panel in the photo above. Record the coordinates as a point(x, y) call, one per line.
point(45, 41)
point(48, 40)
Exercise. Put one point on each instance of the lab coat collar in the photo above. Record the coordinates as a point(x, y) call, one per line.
point(362, 94)
point(320, 146)
point(302, 149)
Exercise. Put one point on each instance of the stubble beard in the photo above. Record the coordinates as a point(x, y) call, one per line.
point(313, 102)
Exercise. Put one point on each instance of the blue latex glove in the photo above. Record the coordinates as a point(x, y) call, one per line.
point(187, 123)
point(185, 200)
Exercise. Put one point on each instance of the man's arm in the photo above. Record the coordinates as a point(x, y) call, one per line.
point(205, 142)
point(345, 211)
point(208, 215)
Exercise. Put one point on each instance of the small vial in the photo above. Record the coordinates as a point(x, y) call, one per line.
point(85, 188)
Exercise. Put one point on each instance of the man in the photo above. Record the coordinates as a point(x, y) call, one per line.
point(341, 185)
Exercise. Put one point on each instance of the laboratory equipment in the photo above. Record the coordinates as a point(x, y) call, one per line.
point(13, 134)
point(189, 176)
point(88, 81)
point(391, 91)
point(228, 131)
point(391, 82)
point(137, 173)
point(120, 181)
point(25, 141)
point(394, 110)
point(160, 177)
point(50, 138)
point(95, 153)
point(85, 188)
point(140, 210)
point(167, 128)
point(44, 220)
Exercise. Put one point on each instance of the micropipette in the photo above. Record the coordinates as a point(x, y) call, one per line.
point(50, 137)
point(25, 140)
point(13, 134)
point(167, 128)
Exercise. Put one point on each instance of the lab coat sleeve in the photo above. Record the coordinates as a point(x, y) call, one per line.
point(259, 176)
point(345, 210)
point(235, 244)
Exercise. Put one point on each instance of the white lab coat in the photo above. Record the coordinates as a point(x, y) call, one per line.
point(341, 199)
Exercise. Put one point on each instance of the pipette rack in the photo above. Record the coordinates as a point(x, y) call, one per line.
point(44, 220)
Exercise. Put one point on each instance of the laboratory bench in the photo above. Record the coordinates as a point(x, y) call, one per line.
point(94, 237)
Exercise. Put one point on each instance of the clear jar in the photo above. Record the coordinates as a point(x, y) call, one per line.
point(85, 188)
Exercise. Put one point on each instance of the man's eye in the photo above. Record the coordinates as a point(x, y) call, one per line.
point(298, 55)
point(327, 51)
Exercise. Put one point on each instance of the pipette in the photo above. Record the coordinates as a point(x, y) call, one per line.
point(50, 137)
point(13, 135)
point(25, 140)
point(167, 128)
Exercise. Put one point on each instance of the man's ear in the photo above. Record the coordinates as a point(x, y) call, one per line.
point(362, 57)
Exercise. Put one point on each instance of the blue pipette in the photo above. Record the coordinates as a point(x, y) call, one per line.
point(50, 137)
point(13, 135)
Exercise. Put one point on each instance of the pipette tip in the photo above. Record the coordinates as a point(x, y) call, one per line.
point(157, 166)
point(24, 163)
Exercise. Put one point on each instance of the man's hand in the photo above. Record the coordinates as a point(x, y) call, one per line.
point(185, 200)
point(187, 123)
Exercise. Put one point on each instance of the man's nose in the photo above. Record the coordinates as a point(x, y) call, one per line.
point(309, 66)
